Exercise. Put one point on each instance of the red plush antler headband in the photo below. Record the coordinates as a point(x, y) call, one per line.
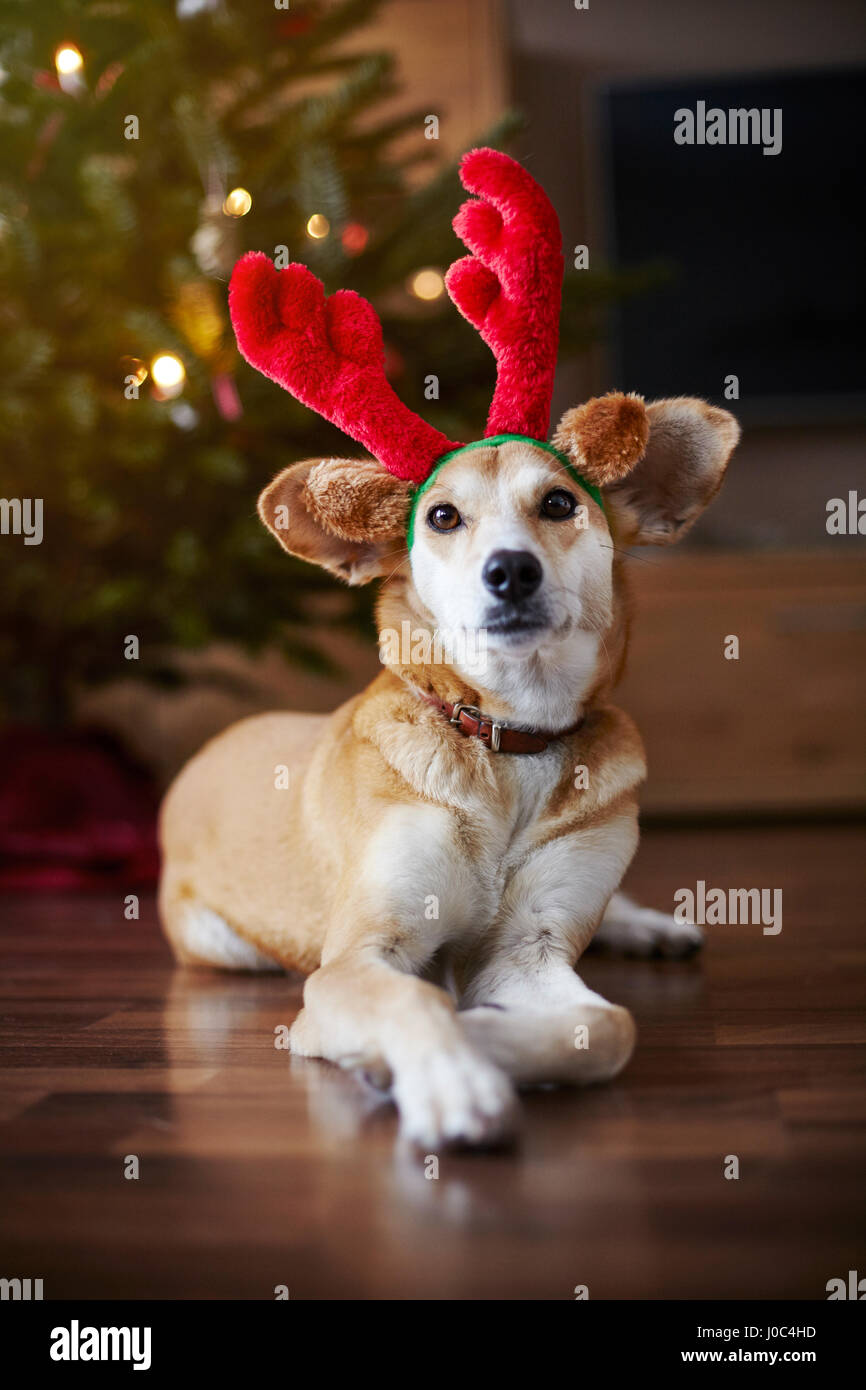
point(329, 352)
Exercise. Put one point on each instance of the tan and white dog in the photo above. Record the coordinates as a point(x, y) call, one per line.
point(438, 893)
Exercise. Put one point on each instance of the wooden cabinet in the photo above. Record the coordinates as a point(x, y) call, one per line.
point(781, 728)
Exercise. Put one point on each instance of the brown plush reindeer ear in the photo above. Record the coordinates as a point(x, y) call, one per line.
point(679, 474)
point(605, 437)
point(358, 501)
point(347, 515)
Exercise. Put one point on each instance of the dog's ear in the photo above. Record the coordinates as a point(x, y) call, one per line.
point(658, 465)
point(347, 515)
point(680, 473)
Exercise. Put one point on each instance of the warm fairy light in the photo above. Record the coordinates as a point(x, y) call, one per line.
point(70, 67)
point(167, 369)
point(427, 284)
point(68, 60)
point(318, 226)
point(238, 203)
point(168, 374)
point(133, 366)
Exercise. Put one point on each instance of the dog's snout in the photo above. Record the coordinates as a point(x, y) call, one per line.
point(511, 574)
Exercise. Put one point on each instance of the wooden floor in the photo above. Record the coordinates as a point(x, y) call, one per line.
point(258, 1170)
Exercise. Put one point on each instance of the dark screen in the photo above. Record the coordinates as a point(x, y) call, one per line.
point(765, 252)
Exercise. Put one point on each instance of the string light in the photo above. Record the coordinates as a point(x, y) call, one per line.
point(133, 366)
point(68, 59)
point(69, 65)
point(427, 284)
point(237, 203)
point(169, 375)
point(318, 226)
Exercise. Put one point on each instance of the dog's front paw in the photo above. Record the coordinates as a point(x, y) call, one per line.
point(304, 1037)
point(454, 1097)
point(645, 932)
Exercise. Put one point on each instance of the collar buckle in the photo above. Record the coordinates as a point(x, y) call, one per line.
point(458, 710)
point(495, 727)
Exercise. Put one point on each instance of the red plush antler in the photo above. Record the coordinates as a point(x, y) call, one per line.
point(510, 289)
point(329, 354)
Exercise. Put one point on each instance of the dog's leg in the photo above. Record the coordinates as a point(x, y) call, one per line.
point(526, 1009)
point(360, 1011)
point(549, 1027)
point(201, 937)
point(411, 890)
point(632, 930)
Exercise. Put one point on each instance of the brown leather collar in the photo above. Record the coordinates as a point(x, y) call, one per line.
point(499, 738)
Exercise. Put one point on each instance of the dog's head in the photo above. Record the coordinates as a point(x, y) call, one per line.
point(510, 537)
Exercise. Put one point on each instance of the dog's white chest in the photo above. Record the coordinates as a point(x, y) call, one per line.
point(447, 868)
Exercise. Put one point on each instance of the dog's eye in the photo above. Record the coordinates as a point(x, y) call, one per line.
point(443, 517)
point(558, 504)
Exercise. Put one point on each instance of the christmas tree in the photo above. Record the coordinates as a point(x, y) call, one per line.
point(144, 146)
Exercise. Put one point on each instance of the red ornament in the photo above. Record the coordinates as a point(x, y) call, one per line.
point(44, 141)
point(354, 238)
point(108, 78)
point(76, 812)
point(295, 27)
point(225, 394)
point(395, 362)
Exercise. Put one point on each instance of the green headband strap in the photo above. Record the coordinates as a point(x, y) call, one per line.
point(593, 491)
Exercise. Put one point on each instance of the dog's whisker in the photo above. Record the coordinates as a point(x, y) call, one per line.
point(630, 555)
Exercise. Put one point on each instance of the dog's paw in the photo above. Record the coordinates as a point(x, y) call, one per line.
point(304, 1037)
point(454, 1097)
point(553, 1044)
point(645, 932)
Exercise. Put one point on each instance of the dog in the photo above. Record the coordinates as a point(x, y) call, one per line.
point(437, 855)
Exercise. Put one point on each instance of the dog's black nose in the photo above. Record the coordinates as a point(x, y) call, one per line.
point(511, 574)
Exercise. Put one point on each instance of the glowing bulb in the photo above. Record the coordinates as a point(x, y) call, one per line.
point(68, 60)
point(168, 374)
point(318, 226)
point(133, 366)
point(238, 203)
point(427, 284)
point(70, 67)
